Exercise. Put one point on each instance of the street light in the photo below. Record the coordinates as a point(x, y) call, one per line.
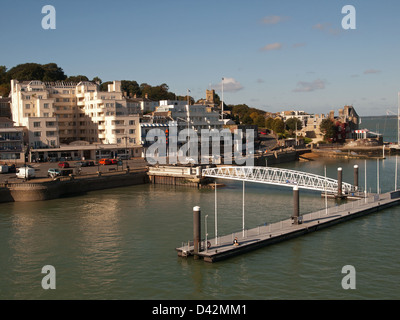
point(206, 244)
point(126, 147)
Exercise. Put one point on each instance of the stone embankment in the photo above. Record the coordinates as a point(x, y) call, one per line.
point(46, 189)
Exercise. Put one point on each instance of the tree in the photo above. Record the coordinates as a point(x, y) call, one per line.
point(97, 80)
point(269, 122)
point(246, 119)
point(293, 124)
point(77, 78)
point(260, 121)
point(131, 88)
point(328, 128)
point(278, 126)
point(52, 72)
point(34, 71)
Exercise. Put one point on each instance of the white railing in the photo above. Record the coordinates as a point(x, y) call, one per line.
point(281, 177)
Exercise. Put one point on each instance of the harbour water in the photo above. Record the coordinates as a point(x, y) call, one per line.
point(120, 244)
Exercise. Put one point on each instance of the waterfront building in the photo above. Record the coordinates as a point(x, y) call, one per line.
point(5, 108)
point(141, 105)
point(57, 114)
point(301, 115)
point(195, 116)
point(11, 141)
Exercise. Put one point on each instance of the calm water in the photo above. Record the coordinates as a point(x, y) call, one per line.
point(119, 244)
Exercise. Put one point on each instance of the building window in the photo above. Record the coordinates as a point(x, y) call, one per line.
point(131, 131)
point(46, 106)
point(37, 134)
point(27, 106)
point(131, 122)
point(36, 124)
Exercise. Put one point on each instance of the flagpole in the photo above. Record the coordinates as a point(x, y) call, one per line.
point(222, 108)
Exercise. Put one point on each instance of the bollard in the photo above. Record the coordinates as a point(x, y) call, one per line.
point(196, 231)
point(356, 177)
point(296, 205)
point(339, 182)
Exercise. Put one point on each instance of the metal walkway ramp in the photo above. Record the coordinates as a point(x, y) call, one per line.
point(280, 177)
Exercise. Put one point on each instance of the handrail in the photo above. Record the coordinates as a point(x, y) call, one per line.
point(278, 176)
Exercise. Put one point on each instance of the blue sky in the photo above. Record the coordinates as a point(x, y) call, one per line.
point(274, 55)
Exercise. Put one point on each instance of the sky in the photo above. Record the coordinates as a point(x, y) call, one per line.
point(273, 55)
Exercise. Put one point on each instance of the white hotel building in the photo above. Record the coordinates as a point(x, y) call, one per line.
point(62, 115)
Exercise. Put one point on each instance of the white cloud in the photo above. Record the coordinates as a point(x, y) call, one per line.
point(372, 71)
point(303, 86)
point(273, 19)
point(327, 28)
point(272, 46)
point(230, 85)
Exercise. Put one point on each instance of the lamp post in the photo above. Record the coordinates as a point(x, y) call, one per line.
point(126, 148)
point(206, 232)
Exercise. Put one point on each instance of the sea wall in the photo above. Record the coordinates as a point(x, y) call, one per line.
point(276, 158)
point(60, 188)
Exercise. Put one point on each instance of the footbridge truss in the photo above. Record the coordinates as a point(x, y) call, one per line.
point(280, 177)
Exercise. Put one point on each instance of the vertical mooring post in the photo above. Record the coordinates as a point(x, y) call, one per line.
point(296, 205)
point(339, 182)
point(356, 177)
point(196, 231)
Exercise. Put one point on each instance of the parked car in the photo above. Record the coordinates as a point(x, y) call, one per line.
point(4, 168)
point(63, 164)
point(81, 164)
point(114, 161)
point(105, 161)
point(12, 169)
point(90, 163)
point(25, 172)
point(123, 156)
point(52, 173)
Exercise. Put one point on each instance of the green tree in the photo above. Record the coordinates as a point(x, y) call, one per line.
point(292, 124)
point(52, 72)
point(269, 122)
point(246, 119)
point(278, 126)
point(260, 121)
point(328, 128)
point(26, 72)
point(78, 78)
point(131, 88)
point(97, 80)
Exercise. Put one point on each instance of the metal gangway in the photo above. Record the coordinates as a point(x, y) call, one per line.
point(280, 177)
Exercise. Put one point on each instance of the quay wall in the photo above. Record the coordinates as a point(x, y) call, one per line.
point(276, 158)
point(48, 190)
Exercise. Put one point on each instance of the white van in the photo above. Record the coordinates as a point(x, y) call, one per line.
point(25, 172)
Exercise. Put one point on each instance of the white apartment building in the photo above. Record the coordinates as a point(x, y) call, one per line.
point(60, 113)
point(301, 115)
point(196, 116)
